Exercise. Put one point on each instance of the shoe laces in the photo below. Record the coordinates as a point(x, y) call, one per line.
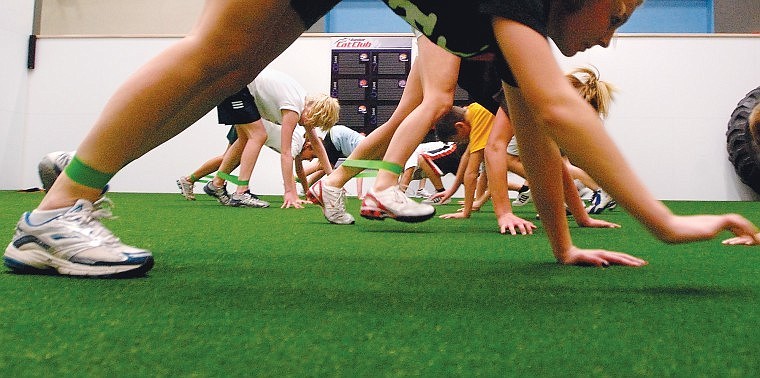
point(340, 201)
point(88, 220)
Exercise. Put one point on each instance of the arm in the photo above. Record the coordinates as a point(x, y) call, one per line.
point(470, 182)
point(498, 183)
point(575, 204)
point(290, 197)
point(319, 149)
point(458, 179)
point(301, 173)
point(551, 113)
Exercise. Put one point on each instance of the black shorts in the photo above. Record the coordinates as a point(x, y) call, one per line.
point(312, 10)
point(238, 109)
point(443, 160)
point(232, 135)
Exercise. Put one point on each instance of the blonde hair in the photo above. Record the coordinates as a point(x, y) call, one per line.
point(596, 92)
point(322, 111)
point(754, 123)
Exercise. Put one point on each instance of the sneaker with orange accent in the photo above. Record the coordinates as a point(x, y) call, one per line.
point(393, 203)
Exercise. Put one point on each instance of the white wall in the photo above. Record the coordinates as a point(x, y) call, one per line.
point(676, 94)
point(15, 27)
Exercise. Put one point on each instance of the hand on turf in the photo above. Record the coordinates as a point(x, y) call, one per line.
point(743, 240)
point(457, 215)
point(599, 258)
point(513, 223)
point(681, 229)
point(291, 199)
point(596, 223)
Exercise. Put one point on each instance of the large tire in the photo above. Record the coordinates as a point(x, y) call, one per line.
point(743, 150)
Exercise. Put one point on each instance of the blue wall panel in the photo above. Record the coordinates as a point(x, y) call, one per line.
point(654, 16)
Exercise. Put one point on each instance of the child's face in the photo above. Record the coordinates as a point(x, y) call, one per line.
point(592, 25)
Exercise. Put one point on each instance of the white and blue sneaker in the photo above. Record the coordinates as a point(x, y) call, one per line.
point(601, 201)
point(74, 243)
point(247, 199)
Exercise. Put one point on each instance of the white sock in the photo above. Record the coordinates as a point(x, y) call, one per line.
point(41, 216)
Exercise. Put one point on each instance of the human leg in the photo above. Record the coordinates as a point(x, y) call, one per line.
point(253, 136)
point(438, 70)
point(222, 53)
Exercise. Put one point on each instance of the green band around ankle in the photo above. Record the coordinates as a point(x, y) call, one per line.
point(375, 164)
point(232, 178)
point(83, 174)
point(193, 178)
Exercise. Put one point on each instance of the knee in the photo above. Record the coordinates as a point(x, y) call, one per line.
point(438, 104)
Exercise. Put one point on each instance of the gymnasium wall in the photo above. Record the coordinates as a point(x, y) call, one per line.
point(676, 94)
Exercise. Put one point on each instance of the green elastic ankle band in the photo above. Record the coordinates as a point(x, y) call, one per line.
point(83, 174)
point(193, 178)
point(375, 164)
point(232, 178)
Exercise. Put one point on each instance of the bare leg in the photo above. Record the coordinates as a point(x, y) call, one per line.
point(229, 46)
point(254, 136)
point(374, 145)
point(438, 72)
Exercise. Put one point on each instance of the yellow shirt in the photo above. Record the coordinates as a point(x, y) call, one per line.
point(481, 121)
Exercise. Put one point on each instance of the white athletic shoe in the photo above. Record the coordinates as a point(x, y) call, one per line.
point(333, 202)
point(422, 193)
point(435, 201)
point(187, 188)
point(246, 199)
point(601, 201)
point(75, 243)
point(522, 199)
point(392, 203)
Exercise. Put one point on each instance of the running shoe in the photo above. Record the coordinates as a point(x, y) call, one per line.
point(422, 193)
point(187, 188)
point(333, 202)
point(220, 193)
point(435, 201)
point(75, 243)
point(601, 201)
point(247, 199)
point(393, 203)
point(522, 198)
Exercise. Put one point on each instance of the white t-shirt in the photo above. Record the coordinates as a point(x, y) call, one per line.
point(275, 91)
point(274, 137)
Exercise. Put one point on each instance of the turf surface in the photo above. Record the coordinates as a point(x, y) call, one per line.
point(272, 292)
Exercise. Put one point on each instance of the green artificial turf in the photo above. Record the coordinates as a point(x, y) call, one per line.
point(275, 292)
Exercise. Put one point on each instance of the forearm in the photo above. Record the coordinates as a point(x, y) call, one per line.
point(286, 163)
point(572, 199)
point(319, 150)
point(498, 184)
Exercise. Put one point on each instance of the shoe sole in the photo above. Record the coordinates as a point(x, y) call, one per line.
point(377, 214)
point(231, 204)
point(42, 263)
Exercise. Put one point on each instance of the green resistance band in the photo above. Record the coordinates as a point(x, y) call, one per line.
point(83, 174)
point(374, 164)
point(232, 178)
